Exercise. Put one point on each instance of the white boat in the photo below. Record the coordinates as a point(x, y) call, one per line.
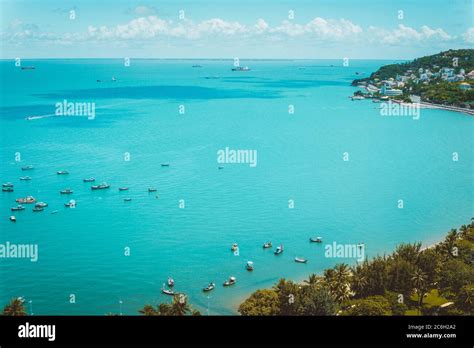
point(167, 291)
point(241, 68)
point(249, 266)
point(25, 178)
point(267, 245)
point(234, 247)
point(316, 240)
point(102, 186)
point(357, 97)
point(12, 218)
point(170, 282)
point(300, 260)
point(279, 250)
point(26, 200)
point(62, 172)
point(210, 287)
point(7, 184)
point(70, 204)
point(230, 281)
point(17, 208)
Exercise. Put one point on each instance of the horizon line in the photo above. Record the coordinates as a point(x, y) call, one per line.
point(224, 59)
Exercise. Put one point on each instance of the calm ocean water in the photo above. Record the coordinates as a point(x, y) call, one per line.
point(81, 251)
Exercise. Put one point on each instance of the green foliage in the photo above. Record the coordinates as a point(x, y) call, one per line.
point(261, 302)
point(454, 275)
point(316, 300)
point(420, 277)
point(372, 305)
point(15, 308)
point(178, 307)
point(465, 299)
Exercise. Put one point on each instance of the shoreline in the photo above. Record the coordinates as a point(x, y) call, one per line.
point(427, 105)
point(235, 303)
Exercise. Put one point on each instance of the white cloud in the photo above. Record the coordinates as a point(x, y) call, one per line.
point(468, 36)
point(261, 26)
point(406, 35)
point(320, 28)
point(144, 10)
point(152, 27)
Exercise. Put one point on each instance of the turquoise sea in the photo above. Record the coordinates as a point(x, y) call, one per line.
point(300, 157)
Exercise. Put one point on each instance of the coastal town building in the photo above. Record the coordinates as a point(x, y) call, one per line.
point(389, 91)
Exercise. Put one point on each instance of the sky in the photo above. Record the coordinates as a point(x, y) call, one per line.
point(266, 29)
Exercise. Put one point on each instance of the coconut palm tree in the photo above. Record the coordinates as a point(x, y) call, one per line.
point(337, 279)
point(420, 286)
point(313, 279)
point(450, 242)
point(180, 305)
point(358, 280)
point(15, 308)
point(148, 310)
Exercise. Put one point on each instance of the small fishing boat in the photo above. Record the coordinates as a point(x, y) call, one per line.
point(165, 164)
point(241, 68)
point(26, 200)
point(249, 266)
point(300, 260)
point(7, 184)
point(17, 208)
point(28, 167)
point(279, 250)
point(12, 218)
point(7, 189)
point(267, 245)
point(152, 189)
point(38, 209)
point(91, 179)
point(123, 189)
point(230, 281)
point(70, 204)
point(234, 247)
point(25, 178)
point(67, 191)
point(167, 292)
point(316, 240)
point(170, 282)
point(62, 172)
point(127, 199)
point(102, 186)
point(41, 204)
point(210, 287)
